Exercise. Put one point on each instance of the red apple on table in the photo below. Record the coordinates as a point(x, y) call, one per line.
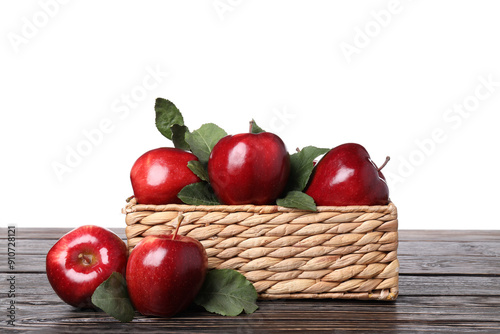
point(158, 175)
point(249, 168)
point(165, 273)
point(347, 176)
point(81, 260)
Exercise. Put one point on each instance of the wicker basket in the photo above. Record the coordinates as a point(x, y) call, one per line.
point(347, 252)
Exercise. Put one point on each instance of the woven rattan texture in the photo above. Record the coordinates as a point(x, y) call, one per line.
point(338, 252)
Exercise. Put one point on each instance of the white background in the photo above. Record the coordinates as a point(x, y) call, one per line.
point(389, 75)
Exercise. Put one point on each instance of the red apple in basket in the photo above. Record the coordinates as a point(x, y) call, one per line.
point(249, 168)
point(158, 175)
point(81, 260)
point(165, 273)
point(347, 176)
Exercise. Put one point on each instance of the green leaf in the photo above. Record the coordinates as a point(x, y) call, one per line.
point(198, 169)
point(199, 193)
point(203, 140)
point(301, 166)
point(254, 128)
point(167, 115)
point(298, 200)
point(179, 136)
point(112, 297)
point(227, 292)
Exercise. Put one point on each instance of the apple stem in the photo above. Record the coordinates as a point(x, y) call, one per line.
point(298, 150)
point(251, 126)
point(86, 258)
point(180, 218)
point(385, 163)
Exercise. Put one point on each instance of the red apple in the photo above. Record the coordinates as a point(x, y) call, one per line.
point(81, 260)
point(165, 273)
point(158, 175)
point(249, 168)
point(347, 176)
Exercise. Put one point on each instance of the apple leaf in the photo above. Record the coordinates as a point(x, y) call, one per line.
point(227, 292)
point(203, 140)
point(199, 193)
point(254, 128)
point(301, 166)
point(179, 136)
point(299, 200)
point(198, 169)
point(111, 296)
point(167, 115)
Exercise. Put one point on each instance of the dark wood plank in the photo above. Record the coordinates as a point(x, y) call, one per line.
point(36, 286)
point(449, 286)
point(433, 313)
point(448, 265)
point(49, 233)
point(414, 264)
point(472, 248)
point(449, 235)
point(459, 248)
point(406, 248)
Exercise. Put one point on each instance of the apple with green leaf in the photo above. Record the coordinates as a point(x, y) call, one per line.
point(165, 273)
point(249, 168)
point(346, 175)
point(81, 260)
point(158, 175)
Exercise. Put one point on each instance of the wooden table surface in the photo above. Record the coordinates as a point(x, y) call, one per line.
point(449, 282)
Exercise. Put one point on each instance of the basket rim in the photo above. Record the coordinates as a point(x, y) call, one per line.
point(132, 206)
